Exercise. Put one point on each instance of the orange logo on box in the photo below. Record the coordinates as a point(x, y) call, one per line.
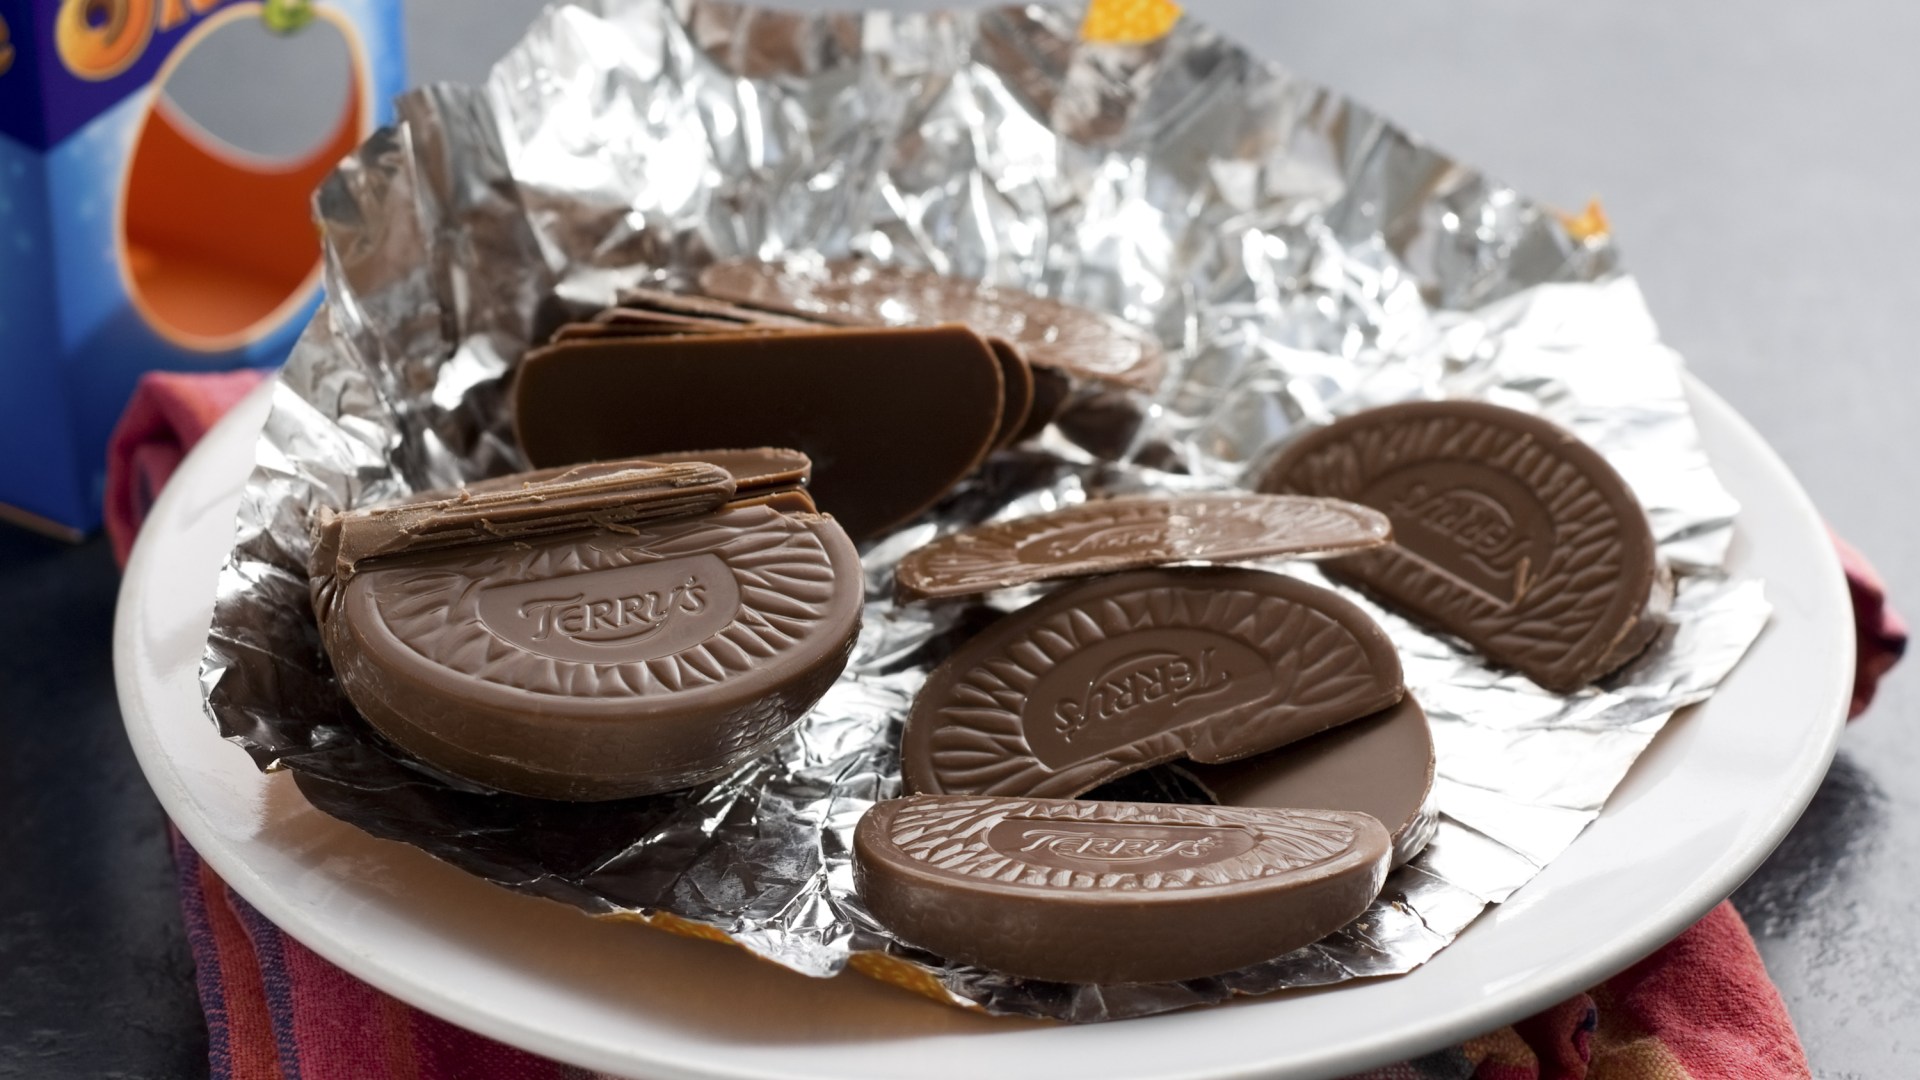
point(6, 49)
point(98, 39)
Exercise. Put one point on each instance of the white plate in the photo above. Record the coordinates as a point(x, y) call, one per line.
point(1703, 807)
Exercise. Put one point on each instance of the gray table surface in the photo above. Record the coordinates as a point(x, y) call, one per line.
point(1755, 165)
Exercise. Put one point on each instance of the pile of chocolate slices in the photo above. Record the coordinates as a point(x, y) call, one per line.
point(678, 583)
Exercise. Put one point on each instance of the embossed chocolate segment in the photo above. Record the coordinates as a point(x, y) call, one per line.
point(891, 418)
point(1133, 532)
point(625, 614)
point(858, 291)
point(1508, 532)
point(1104, 848)
point(599, 662)
point(1381, 765)
point(1101, 892)
point(1122, 672)
point(1117, 692)
point(1478, 525)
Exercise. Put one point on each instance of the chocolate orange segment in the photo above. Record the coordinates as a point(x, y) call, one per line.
point(1103, 892)
point(1509, 532)
point(891, 418)
point(1133, 532)
point(597, 663)
point(1122, 672)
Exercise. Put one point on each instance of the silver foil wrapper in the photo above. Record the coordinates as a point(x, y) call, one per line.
point(1300, 257)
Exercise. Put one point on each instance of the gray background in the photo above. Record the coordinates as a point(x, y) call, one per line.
point(1756, 161)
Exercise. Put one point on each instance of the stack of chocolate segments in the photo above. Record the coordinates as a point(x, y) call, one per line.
point(1137, 663)
point(897, 383)
point(591, 633)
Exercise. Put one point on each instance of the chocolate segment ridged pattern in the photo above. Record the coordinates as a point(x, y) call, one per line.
point(595, 663)
point(1049, 333)
point(1381, 765)
point(892, 418)
point(1115, 674)
point(1508, 532)
point(1095, 892)
point(1131, 532)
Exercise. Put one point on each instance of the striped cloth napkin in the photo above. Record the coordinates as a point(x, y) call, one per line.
point(1701, 1008)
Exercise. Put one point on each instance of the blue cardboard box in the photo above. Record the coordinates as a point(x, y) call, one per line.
point(131, 237)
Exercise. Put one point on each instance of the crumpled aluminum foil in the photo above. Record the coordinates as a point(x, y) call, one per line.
point(1301, 257)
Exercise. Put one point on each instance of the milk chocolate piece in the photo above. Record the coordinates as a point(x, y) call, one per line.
point(1122, 672)
point(1097, 892)
point(891, 418)
point(706, 307)
point(760, 474)
point(1379, 765)
point(621, 324)
point(618, 323)
point(582, 331)
point(755, 470)
point(1508, 532)
point(664, 321)
point(1016, 379)
point(586, 662)
point(1051, 388)
point(614, 495)
point(1136, 531)
point(1049, 333)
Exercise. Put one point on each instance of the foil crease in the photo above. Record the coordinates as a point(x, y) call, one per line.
point(1300, 257)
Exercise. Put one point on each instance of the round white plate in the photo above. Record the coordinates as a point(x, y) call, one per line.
point(1702, 808)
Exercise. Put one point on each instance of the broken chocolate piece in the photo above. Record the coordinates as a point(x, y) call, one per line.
point(756, 471)
point(1115, 674)
point(1092, 892)
point(759, 474)
point(1048, 332)
point(612, 495)
point(1508, 531)
point(586, 658)
point(1128, 533)
point(1379, 765)
point(891, 418)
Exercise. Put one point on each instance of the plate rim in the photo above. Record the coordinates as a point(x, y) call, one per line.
point(1522, 997)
